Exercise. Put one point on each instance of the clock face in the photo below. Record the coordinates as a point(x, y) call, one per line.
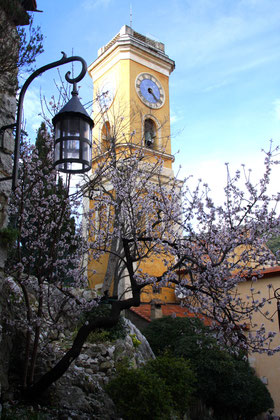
point(106, 95)
point(149, 90)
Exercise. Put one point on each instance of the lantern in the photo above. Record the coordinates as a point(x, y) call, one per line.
point(73, 137)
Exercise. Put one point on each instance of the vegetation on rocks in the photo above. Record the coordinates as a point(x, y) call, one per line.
point(161, 388)
point(226, 383)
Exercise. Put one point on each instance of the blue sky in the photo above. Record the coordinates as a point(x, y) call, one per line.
point(225, 90)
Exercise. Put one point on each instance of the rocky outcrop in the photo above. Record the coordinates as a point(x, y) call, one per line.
point(81, 390)
point(80, 393)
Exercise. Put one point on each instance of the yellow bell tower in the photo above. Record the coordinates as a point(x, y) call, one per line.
point(131, 84)
point(131, 103)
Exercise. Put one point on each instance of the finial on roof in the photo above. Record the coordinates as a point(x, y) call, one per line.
point(130, 15)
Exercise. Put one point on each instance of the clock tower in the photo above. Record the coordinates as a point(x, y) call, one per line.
point(131, 104)
point(131, 84)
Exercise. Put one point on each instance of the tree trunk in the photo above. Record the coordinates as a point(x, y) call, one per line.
point(35, 390)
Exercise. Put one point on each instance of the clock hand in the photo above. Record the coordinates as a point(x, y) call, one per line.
point(150, 90)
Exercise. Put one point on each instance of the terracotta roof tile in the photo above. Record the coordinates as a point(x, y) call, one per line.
point(271, 270)
point(144, 311)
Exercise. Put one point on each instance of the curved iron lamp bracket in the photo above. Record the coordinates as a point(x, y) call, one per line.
point(63, 60)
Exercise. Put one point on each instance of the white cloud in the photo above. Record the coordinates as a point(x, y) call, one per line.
point(211, 171)
point(233, 34)
point(174, 117)
point(217, 85)
point(31, 111)
point(214, 172)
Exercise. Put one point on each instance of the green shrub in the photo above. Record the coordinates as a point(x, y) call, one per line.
point(98, 336)
point(229, 384)
point(140, 395)
point(166, 333)
point(124, 363)
point(178, 378)
point(136, 343)
point(161, 388)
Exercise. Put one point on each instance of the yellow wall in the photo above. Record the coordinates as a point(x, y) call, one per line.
point(126, 115)
point(266, 366)
point(165, 294)
point(162, 114)
point(118, 114)
point(127, 111)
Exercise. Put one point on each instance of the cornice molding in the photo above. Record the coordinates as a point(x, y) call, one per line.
point(126, 46)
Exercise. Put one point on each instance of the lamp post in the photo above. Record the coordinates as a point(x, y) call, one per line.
point(73, 126)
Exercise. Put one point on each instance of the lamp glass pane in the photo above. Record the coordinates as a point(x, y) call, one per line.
point(63, 128)
point(73, 127)
point(85, 129)
point(74, 166)
point(86, 151)
point(57, 152)
point(57, 130)
point(71, 149)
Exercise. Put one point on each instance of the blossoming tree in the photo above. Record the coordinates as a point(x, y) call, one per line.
point(207, 249)
point(46, 257)
point(138, 214)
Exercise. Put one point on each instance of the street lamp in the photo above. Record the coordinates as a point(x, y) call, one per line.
point(73, 130)
point(73, 126)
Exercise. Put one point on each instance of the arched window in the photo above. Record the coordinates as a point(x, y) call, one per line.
point(149, 133)
point(105, 137)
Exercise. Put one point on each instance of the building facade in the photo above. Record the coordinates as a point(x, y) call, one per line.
point(131, 105)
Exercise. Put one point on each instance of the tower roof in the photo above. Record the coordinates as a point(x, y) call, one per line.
point(128, 39)
point(127, 33)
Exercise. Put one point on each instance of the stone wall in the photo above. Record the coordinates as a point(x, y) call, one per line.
point(8, 86)
point(79, 394)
